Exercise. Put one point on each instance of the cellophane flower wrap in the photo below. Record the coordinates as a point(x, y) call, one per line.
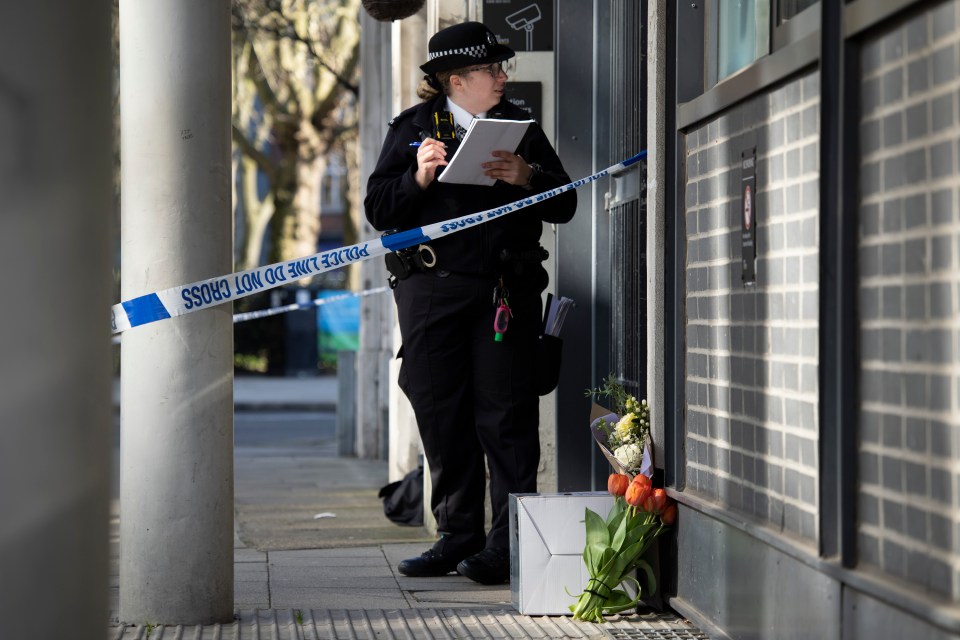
point(624, 436)
point(615, 546)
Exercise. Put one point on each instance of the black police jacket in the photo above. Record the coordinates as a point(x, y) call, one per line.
point(395, 201)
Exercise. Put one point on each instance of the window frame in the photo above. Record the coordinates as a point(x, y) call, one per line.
point(793, 46)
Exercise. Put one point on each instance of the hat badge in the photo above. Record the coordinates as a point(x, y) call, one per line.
point(491, 39)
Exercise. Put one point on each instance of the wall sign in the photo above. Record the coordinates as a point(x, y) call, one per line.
point(522, 25)
point(748, 215)
point(528, 96)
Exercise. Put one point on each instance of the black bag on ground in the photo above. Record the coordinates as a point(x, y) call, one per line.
point(403, 499)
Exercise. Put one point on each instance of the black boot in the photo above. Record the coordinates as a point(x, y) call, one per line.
point(490, 566)
point(440, 560)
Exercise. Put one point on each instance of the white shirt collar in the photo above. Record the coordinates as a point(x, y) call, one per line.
point(460, 115)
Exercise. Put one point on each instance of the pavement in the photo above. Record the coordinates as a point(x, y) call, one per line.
point(315, 558)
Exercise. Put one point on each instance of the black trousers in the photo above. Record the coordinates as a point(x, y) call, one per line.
point(473, 397)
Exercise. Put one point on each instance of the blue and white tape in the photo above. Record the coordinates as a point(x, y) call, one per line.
point(294, 306)
point(317, 302)
point(178, 301)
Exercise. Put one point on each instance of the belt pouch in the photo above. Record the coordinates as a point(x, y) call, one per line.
point(547, 372)
point(397, 266)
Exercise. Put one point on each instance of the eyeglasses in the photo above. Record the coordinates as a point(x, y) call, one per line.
point(494, 69)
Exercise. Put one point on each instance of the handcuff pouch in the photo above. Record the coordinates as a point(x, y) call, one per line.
point(397, 266)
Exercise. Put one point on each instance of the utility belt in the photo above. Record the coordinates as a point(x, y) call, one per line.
point(422, 258)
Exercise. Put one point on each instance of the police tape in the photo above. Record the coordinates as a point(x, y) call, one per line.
point(188, 298)
point(317, 302)
point(295, 306)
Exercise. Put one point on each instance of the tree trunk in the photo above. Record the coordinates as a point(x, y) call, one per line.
point(256, 215)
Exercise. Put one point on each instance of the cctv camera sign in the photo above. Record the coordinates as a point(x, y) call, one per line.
point(522, 25)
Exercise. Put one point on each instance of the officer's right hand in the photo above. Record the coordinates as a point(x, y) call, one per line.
point(431, 154)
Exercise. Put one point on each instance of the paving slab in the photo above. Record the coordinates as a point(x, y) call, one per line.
point(297, 577)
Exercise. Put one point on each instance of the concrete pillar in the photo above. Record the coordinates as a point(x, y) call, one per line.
point(656, 222)
point(176, 444)
point(376, 312)
point(409, 43)
point(55, 212)
point(409, 52)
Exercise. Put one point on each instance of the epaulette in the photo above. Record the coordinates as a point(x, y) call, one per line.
point(403, 115)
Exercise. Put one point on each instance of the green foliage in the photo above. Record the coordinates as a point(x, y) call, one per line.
point(597, 532)
point(614, 391)
point(249, 362)
point(613, 551)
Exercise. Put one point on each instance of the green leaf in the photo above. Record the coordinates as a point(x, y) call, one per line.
point(616, 511)
point(613, 522)
point(651, 580)
point(605, 557)
point(621, 562)
point(621, 605)
point(619, 536)
point(638, 532)
point(647, 540)
point(593, 557)
point(596, 528)
point(618, 598)
point(573, 595)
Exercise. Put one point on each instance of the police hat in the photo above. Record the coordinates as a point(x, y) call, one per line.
point(463, 45)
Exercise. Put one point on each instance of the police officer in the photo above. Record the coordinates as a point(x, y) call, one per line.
point(471, 387)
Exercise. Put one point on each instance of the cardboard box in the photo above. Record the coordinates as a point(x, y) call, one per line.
point(547, 537)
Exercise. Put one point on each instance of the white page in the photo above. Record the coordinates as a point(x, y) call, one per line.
point(482, 138)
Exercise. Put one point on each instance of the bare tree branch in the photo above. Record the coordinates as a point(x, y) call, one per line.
point(289, 32)
point(263, 161)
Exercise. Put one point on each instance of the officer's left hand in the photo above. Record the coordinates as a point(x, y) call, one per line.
point(509, 168)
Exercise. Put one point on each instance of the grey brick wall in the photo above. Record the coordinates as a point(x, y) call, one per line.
point(909, 299)
point(752, 352)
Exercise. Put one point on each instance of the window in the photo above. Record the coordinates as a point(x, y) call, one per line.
point(741, 30)
point(787, 9)
point(792, 21)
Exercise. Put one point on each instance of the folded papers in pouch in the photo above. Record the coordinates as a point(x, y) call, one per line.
point(484, 136)
point(554, 313)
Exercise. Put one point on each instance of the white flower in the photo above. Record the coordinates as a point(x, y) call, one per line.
point(629, 455)
point(625, 428)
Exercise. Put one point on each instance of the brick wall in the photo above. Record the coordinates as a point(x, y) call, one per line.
point(752, 352)
point(909, 299)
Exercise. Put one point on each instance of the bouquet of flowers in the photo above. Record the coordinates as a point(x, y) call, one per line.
point(615, 546)
point(624, 436)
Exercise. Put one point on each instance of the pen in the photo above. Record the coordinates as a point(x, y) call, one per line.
point(414, 144)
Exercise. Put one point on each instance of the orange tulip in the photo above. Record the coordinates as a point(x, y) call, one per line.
point(637, 492)
point(669, 515)
point(656, 501)
point(617, 483)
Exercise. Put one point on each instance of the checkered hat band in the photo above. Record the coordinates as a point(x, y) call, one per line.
point(479, 51)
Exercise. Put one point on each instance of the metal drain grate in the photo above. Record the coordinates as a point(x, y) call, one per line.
point(409, 624)
point(654, 626)
point(657, 634)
